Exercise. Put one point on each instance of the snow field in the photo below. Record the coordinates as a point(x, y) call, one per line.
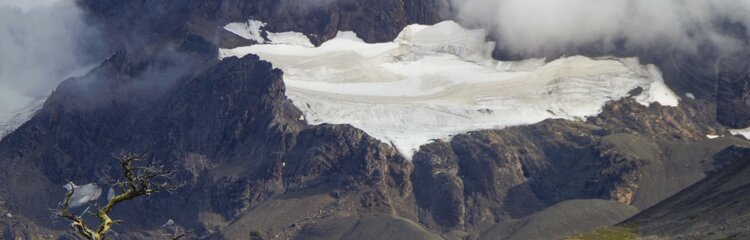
point(433, 82)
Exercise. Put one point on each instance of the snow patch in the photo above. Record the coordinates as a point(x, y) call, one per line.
point(83, 194)
point(744, 132)
point(249, 30)
point(433, 82)
point(711, 136)
point(253, 29)
point(690, 95)
point(658, 90)
point(13, 116)
point(448, 37)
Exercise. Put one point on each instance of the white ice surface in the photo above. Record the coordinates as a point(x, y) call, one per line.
point(433, 82)
point(658, 90)
point(289, 38)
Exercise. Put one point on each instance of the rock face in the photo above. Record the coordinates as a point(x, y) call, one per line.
point(712, 74)
point(373, 21)
point(733, 98)
point(484, 177)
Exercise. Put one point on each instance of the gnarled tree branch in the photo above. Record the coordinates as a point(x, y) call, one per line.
point(138, 181)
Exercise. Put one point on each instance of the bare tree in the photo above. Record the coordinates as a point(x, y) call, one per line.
point(137, 181)
point(178, 233)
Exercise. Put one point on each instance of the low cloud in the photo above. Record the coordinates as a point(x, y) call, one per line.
point(42, 42)
point(543, 26)
point(26, 5)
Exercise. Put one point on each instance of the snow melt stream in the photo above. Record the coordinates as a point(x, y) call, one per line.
point(433, 82)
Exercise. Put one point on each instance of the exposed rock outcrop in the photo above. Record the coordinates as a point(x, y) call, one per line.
point(373, 21)
point(230, 127)
point(626, 154)
point(733, 100)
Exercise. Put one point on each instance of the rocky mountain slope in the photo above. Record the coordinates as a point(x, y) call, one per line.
point(254, 169)
point(714, 208)
point(246, 152)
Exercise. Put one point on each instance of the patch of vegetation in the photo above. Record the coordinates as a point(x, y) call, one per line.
point(610, 233)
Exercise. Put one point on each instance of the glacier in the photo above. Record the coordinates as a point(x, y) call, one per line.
point(433, 82)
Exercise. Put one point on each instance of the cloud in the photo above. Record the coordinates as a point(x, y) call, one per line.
point(26, 5)
point(540, 26)
point(42, 42)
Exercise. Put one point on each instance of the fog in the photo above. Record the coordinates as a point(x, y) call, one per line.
point(539, 26)
point(26, 5)
point(42, 42)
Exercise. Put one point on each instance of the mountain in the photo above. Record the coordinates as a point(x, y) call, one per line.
point(714, 208)
point(711, 74)
point(442, 81)
point(17, 117)
point(256, 166)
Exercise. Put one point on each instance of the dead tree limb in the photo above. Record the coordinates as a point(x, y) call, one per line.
point(138, 181)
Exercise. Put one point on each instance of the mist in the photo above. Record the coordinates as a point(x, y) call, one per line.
point(26, 5)
point(542, 26)
point(42, 42)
